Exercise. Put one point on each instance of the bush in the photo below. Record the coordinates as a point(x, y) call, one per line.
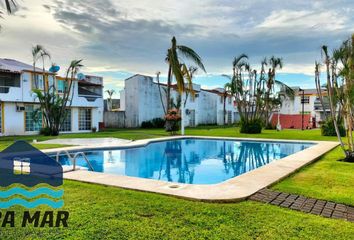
point(45, 131)
point(327, 129)
point(158, 122)
point(251, 126)
point(154, 123)
point(94, 129)
point(270, 126)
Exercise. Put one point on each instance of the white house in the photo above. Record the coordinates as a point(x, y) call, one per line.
point(141, 101)
point(305, 101)
point(18, 102)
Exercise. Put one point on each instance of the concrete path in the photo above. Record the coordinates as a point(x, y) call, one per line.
point(309, 205)
point(107, 142)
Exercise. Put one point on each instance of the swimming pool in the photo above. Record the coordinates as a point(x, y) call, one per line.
point(192, 161)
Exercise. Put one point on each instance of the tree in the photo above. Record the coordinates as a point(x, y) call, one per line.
point(10, 5)
point(274, 63)
point(340, 90)
point(179, 71)
point(176, 68)
point(53, 106)
point(109, 99)
point(254, 93)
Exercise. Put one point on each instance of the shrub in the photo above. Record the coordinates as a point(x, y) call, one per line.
point(327, 128)
point(154, 123)
point(45, 131)
point(251, 126)
point(270, 126)
point(147, 124)
point(158, 122)
point(94, 129)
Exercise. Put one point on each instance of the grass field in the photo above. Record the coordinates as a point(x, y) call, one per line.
point(136, 134)
point(98, 212)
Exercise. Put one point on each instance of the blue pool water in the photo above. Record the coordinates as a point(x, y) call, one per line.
point(193, 161)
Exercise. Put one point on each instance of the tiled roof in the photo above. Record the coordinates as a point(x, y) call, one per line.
point(11, 65)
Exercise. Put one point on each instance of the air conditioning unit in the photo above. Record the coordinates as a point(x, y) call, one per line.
point(20, 108)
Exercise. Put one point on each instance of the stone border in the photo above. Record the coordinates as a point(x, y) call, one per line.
point(231, 190)
point(308, 205)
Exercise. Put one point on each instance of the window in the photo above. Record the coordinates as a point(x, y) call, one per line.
point(221, 99)
point(61, 86)
point(33, 118)
point(66, 125)
point(305, 99)
point(38, 82)
point(85, 119)
point(21, 166)
point(229, 98)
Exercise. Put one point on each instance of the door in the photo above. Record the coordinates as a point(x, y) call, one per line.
point(192, 118)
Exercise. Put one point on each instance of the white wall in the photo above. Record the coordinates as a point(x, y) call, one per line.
point(142, 103)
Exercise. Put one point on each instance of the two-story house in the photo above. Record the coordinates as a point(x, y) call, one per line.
point(18, 101)
point(141, 101)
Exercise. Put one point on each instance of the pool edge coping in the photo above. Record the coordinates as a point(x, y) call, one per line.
point(231, 190)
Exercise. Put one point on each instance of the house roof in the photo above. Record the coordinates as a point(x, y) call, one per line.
point(308, 91)
point(12, 65)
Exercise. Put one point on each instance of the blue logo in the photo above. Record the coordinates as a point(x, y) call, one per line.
point(30, 177)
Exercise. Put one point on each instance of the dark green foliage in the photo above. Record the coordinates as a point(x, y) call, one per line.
point(327, 129)
point(154, 123)
point(45, 131)
point(158, 122)
point(251, 126)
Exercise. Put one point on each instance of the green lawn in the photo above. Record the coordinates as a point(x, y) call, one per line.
point(98, 212)
point(136, 134)
point(328, 179)
point(104, 212)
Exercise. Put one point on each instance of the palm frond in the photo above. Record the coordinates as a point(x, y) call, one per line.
point(191, 55)
point(238, 59)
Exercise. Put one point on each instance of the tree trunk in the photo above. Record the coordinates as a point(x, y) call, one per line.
point(225, 108)
point(169, 81)
point(332, 108)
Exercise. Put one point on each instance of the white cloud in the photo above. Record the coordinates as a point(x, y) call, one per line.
point(295, 20)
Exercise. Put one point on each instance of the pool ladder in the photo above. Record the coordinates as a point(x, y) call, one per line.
point(74, 157)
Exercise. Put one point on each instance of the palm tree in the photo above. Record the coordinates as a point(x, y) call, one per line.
point(38, 52)
point(191, 70)
point(275, 63)
point(174, 65)
point(158, 84)
point(332, 108)
point(109, 99)
point(10, 5)
point(180, 71)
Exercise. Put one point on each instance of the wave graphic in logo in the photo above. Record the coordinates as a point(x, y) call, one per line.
point(32, 204)
point(31, 194)
point(48, 196)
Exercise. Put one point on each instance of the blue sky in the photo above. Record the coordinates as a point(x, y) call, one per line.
point(119, 38)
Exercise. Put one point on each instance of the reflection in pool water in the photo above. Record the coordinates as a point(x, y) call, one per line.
point(194, 161)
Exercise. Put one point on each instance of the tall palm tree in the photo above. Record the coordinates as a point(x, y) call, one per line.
point(38, 52)
point(327, 62)
point(109, 99)
point(174, 65)
point(275, 63)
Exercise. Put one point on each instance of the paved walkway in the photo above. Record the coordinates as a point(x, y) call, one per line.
point(88, 141)
point(309, 205)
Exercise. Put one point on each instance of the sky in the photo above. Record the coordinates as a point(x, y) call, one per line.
point(117, 39)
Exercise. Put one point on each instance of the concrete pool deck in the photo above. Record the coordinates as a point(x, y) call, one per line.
point(234, 189)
